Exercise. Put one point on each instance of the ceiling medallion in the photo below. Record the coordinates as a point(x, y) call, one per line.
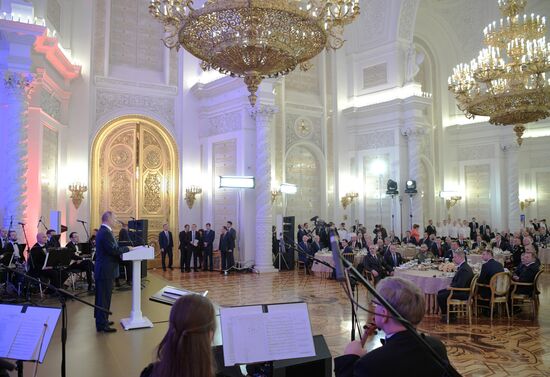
point(254, 39)
point(507, 82)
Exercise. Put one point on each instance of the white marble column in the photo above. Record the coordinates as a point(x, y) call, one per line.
point(263, 115)
point(415, 135)
point(512, 158)
point(14, 100)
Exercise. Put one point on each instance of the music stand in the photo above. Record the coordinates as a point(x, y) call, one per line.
point(56, 258)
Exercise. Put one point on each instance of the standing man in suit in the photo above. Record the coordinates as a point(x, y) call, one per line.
point(400, 355)
point(193, 246)
point(208, 242)
point(166, 243)
point(107, 256)
point(223, 246)
point(473, 228)
point(78, 263)
point(185, 253)
point(462, 279)
point(430, 229)
point(231, 242)
point(489, 268)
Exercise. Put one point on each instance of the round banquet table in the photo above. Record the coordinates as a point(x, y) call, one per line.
point(429, 284)
point(321, 269)
point(407, 252)
point(476, 258)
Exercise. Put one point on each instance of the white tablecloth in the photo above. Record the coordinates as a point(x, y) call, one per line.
point(430, 282)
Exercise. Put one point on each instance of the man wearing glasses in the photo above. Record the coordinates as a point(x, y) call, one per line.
point(401, 353)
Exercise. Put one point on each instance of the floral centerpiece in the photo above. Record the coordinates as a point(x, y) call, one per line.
point(447, 267)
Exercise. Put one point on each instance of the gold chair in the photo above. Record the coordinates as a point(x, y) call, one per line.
point(527, 299)
point(350, 257)
point(500, 288)
point(460, 305)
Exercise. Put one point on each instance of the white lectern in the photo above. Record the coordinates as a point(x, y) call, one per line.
point(136, 255)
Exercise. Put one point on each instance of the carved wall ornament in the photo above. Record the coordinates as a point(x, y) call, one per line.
point(108, 101)
point(221, 124)
point(303, 127)
point(374, 140)
point(407, 19)
point(121, 157)
point(153, 157)
point(50, 105)
point(299, 128)
point(152, 193)
point(476, 152)
point(120, 191)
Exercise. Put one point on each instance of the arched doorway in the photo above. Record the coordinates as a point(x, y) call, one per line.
point(135, 174)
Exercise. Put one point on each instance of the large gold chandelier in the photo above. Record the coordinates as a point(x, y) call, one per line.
point(512, 91)
point(254, 39)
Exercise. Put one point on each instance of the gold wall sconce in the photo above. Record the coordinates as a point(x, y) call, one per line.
point(191, 193)
point(525, 203)
point(274, 195)
point(452, 201)
point(347, 199)
point(77, 193)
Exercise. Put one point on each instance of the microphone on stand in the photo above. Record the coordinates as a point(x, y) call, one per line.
point(39, 221)
point(22, 224)
point(82, 221)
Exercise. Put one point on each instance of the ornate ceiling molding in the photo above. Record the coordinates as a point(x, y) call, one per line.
point(49, 47)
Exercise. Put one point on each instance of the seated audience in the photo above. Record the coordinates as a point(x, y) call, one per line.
point(401, 354)
point(186, 349)
point(489, 268)
point(424, 254)
point(462, 279)
point(392, 259)
point(408, 239)
point(374, 263)
point(526, 272)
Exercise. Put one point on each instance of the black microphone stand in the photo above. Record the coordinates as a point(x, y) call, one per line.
point(85, 229)
point(25, 235)
point(354, 320)
point(447, 367)
point(42, 222)
point(62, 296)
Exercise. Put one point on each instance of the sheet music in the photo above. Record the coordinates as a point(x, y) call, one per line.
point(250, 335)
point(22, 333)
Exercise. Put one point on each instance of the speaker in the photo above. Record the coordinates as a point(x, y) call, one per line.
point(289, 223)
point(139, 231)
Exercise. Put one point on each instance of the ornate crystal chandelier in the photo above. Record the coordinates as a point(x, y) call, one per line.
point(508, 81)
point(254, 39)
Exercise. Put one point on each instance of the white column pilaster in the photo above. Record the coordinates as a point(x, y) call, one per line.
point(263, 114)
point(415, 135)
point(514, 212)
point(15, 89)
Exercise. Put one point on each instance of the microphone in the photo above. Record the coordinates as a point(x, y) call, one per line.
point(20, 223)
point(39, 221)
point(133, 218)
point(82, 221)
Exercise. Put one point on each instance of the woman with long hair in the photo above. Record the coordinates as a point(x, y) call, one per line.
point(186, 350)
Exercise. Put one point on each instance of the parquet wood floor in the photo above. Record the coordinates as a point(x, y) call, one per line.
point(502, 348)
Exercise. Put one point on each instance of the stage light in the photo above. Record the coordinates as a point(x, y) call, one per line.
point(410, 187)
point(392, 187)
point(236, 182)
point(288, 188)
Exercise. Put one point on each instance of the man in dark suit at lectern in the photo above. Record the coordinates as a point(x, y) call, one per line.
point(166, 243)
point(107, 257)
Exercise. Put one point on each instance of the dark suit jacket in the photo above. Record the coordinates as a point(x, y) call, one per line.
point(473, 227)
point(488, 269)
point(314, 247)
point(38, 257)
point(401, 355)
point(231, 237)
point(185, 240)
point(52, 242)
point(305, 248)
point(388, 259)
point(223, 245)
point(166, 243)
point(438, 252)
point(374, 263)
point(208, 237)
point(503, 245)
point(463, 276)
point(409, 240)
point(430, 229)
point(526, 274)
point(123, 235)
point(107, 254)
point(72, 249)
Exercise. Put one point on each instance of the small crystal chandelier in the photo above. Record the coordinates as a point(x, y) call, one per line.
point(512, 91)
point(254, 39)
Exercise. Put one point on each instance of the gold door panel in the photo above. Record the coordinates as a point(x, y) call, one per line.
point(134, 174)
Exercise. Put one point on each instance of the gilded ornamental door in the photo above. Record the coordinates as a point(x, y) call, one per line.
point(135, 174)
